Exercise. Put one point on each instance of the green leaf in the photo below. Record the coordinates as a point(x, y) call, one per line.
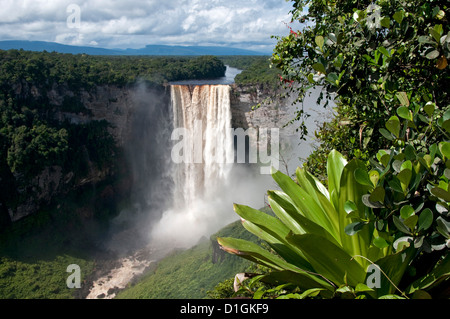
point(436, 32)
point(274, 232)
point(319, 41)
point(374, 177)
point(429, 108)
point(304, 202)
point(443, 227)
point(378, 194)
point(386, 134)
point(441, 193)
point(362, 288)
point(363, 178)
point(380, 242)
point(391, 297)
point(440, 15)
point(411, 221)
point(367, 202)
point(425, 219)
point(410, 152)
point(406, 211)
point(256, 254)
point(397, 165)
point(295, 221)
point(284, 209)
point(253, 252)
point(350, 207)
point(403, 98)
point(425, 40)
point(405, 178)
point(447, 113)
point(286, 276)
point(395, 184)
point(393, 125)
point(446, 125)
point(335, 165)
point(447, 173)
point(328, 259)
point(350, 190)
point(332, 37)
point(353, 228)
point(406, 165)
point(398, 16)
point(384, 51)
point(400, 225)
point(319, 67)
point(333, 78)
point(385, 22)
point(444, 147)
point(405, 113)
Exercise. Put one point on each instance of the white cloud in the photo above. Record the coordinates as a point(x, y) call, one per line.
point(134, 23)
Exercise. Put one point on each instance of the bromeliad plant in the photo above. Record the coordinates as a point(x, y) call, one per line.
point(327, 238)
point(317, 236)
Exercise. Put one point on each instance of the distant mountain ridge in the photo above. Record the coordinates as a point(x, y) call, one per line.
point(147, 50)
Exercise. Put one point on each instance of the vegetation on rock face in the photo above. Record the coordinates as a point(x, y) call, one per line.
point(385, 64)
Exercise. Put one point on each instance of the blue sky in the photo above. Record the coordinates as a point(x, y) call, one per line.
point(123, 24)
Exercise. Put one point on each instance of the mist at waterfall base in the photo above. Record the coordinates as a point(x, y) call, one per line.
point(158, 216)
point(204, 187)
point(161, 216)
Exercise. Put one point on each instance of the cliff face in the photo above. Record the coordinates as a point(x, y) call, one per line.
point(137, 114)
point(272, 112)
point(121, 106)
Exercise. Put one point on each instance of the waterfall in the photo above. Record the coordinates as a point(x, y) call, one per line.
point(202, 158)
point(203, 112)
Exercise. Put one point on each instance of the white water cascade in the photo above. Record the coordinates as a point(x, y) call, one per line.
point(203, 156)
point(203, 113)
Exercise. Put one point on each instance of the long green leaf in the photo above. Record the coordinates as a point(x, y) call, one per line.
point(307, 180)
point(302, 281)
point(283, 208)
point(295, 221)
point(304, 203)
point(328, 259)
point(274, 232)
point(351, 190)
point(255, 253)
point(320, 195)
point(269, 223)
point(335, 165)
